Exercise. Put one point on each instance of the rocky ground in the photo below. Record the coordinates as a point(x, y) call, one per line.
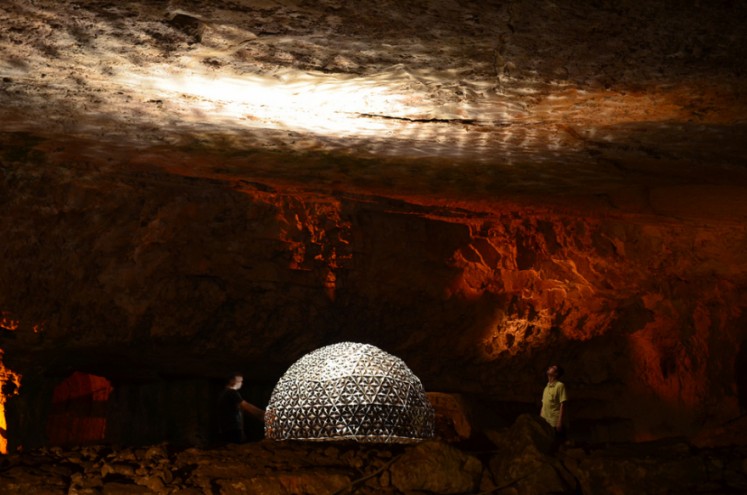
point(518, 460)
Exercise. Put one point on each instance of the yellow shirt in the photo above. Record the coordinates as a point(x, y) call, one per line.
point(552, 397)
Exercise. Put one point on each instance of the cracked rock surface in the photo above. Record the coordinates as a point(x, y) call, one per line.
point(575, 98)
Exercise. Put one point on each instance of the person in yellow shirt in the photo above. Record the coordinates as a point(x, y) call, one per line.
point(554, 398)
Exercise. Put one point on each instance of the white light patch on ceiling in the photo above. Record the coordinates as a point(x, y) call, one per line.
point(312, 103)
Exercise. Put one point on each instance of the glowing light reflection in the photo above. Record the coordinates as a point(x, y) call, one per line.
point(316, 103)
point(8, 323)
point(10, 382)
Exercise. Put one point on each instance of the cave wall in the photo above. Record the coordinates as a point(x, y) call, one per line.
point(142, 278)
point(175, 410)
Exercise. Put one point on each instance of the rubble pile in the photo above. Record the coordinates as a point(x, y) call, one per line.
point(521, 459)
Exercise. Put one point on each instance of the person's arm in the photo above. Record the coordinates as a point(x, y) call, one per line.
point(253, 410)
point(561, 417)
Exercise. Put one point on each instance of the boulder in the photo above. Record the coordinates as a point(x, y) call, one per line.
point(523, 461)
point(452, 416)
point(436, 467)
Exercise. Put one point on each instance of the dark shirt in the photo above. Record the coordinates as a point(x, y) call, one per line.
point(230, 417)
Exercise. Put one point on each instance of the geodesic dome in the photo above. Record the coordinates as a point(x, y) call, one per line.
point(349, 391)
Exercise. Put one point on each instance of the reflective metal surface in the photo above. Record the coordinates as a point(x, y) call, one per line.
point(349, 391)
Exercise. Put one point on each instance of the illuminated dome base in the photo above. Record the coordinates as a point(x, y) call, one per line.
point(349, 391)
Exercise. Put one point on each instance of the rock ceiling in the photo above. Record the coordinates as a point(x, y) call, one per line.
point(627, 103)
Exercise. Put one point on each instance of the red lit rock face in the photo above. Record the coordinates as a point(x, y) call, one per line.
point(478, 189)
point(78, 412)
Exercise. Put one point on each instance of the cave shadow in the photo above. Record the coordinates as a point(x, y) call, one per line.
point(740, 376)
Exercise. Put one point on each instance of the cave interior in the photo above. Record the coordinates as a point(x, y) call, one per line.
point(190, 188)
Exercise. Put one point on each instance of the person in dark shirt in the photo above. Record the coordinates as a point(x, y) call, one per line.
point(231, 409)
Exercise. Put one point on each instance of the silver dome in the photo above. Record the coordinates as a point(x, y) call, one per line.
point(349, 391)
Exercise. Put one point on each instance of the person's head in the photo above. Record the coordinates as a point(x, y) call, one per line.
point(554, 372)
point(234, 381)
